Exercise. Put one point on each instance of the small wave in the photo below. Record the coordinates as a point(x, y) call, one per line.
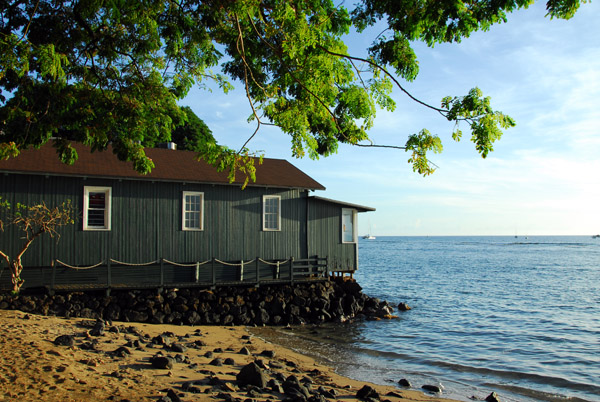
point(542, 243)
point(557, 382)
point(533, 394)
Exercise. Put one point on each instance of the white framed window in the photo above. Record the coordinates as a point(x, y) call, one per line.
point(349, 229)
point(193, 211)
point(97, 203)
point(271, 212)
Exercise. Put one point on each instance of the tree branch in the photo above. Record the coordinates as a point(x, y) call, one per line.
point(382, 69)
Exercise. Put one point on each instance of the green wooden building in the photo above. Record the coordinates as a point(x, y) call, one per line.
point(184, 213)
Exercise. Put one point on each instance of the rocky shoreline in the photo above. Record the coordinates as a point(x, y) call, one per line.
point(70, 360)
point(336, 300)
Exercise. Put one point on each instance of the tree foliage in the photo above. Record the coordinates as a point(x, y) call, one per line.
point(112, 71)
point(33, 221)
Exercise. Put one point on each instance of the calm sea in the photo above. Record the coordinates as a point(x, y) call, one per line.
point(519, 316)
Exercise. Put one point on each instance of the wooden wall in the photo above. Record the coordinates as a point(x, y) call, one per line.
point(146, 222)
point(325, 236)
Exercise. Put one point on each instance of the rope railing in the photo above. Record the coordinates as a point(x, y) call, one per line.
point(277, 263)
point(193, 264)
point(111, 273)
point(79, 267)
point(233, 264)
point(134, 264)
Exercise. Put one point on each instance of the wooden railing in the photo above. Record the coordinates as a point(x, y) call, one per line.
point(161, 273)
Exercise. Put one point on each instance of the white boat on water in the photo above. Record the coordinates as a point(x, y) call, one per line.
point(369, 236)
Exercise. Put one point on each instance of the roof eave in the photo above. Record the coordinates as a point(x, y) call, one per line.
point(359, 208)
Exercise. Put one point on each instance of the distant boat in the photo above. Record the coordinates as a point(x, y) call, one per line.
point(369, 236)
point(596, 236)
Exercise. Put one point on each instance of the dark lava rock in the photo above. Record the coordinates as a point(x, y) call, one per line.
point(178, 348)
point(215, 381)
point(229, 361)
point(294, 389)
point(162, 339)
point(268, 353)
point(98, 329)
point(216, 362)
point(182, 359)
point(432, 388)
point(173, 396)
point(253, 393)
point(404, 383)
point(64, 340)
point(226, 397)
point(275, 386)
point(331, 394)
point(89, 345)
point(403, 307)
point(251, 374)
point(493, 397)
point(367, 392)
point(121, 352)
point(162, 362)
point(244, 351)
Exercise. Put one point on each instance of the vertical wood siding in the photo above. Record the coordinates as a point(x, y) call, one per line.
point(325, 236)
point(146, 222)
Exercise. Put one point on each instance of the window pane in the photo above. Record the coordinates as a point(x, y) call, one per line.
point(347, 226)
point(193, 211)
point(97, 200)
point(271, 214)
point(96, 218)
point(96, 207)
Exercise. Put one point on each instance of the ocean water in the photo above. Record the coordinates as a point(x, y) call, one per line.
point(518, 316)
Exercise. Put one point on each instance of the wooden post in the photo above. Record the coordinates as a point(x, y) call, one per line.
point(292, 269)
point(197, 277)
point(242, 271)
point(108, 274)
point(214, 274)
point(53, 280)
point(162, 273)
point(257, 271)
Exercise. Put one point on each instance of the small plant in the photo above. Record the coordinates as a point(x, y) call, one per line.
point(33, 221)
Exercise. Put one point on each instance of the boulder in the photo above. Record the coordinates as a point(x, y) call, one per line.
point(162, 362)
point(216, 362)
point(366, 393)
point(404, 383)
point(432, 388)
point(294, 389)
point(493, 397)
point(251, 374)
point(64, 340)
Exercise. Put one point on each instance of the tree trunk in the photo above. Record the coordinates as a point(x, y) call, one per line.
point(16, 267)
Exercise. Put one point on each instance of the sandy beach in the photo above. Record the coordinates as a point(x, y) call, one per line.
point(116, 364)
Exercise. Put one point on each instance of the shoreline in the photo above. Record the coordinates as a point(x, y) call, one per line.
point(116, 365)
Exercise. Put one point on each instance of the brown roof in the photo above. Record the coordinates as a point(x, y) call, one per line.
point(170, 165)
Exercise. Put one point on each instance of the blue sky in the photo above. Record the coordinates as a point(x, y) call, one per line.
point(543, 177)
